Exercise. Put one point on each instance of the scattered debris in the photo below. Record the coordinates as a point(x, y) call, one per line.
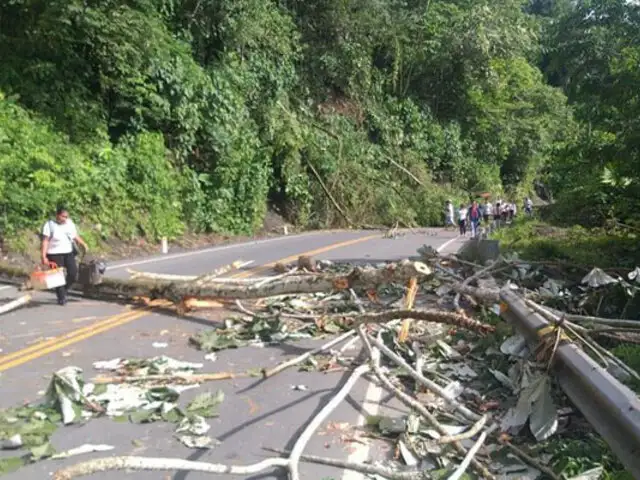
point(212, 357)
point(480, 401)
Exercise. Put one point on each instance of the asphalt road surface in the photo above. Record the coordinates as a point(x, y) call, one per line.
point(44, 337)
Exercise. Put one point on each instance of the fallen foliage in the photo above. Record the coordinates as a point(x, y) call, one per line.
point(479, 402)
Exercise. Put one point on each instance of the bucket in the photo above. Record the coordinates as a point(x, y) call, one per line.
point(48, 279)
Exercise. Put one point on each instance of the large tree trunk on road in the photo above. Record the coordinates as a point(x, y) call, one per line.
point(312, 283)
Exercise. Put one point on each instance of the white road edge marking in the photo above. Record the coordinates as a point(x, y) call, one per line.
point(372, 397)
point(209, 250)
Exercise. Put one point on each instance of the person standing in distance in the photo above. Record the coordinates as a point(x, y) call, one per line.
point(58, 248)
point(449, 214)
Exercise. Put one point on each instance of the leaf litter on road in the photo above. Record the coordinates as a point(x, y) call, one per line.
point(470, 387)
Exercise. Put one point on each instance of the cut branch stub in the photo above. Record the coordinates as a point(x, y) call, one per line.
point(341, 283)
point(307, 263)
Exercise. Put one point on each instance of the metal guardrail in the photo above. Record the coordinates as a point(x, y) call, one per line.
point(608, 405)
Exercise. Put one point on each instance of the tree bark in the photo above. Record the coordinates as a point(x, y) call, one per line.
point(312, 283)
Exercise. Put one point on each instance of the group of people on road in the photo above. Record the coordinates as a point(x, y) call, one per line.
point(60, 236)
point(471, 216)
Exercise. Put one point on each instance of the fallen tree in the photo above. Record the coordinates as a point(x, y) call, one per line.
point(177, 291)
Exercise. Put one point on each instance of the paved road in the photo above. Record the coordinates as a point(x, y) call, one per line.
point(44, 337)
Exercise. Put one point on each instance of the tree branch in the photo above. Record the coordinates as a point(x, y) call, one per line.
point(434, 387)
point(302, 441)
point(142, 463)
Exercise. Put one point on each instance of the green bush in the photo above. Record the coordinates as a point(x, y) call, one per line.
point(587, 247)
point(130, 189)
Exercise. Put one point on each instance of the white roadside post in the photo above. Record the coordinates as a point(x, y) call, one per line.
point(165, 245)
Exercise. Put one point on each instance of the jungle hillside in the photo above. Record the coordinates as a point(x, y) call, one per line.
point(152, 118)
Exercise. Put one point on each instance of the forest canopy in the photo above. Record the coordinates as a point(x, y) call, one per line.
point(154, 117)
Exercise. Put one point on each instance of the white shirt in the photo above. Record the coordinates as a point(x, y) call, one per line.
point(60, 236)
point(462, 213)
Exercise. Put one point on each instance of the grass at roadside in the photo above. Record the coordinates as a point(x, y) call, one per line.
point(537, 240)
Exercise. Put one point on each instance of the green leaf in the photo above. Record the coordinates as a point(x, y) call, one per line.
point(206, 404)
point(310, 365)
point(162, 394)
point(173, 416)
point(43, 451)
point(99, 389)
point(10, 464)
point(142, 416)
point(212, 340)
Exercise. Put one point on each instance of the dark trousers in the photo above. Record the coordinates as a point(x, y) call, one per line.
point(463, 227)
point(68, 261)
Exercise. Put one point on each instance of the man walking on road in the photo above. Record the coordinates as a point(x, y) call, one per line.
point(58, 248)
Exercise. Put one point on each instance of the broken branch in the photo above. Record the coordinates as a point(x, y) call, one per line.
point(472, 432)
point(385, 472)
point(13, 304)
point(302, 441)
point(467, 281)
point(142, 463)
point(583, 319)
point(175, 378)
point(411, 402)
point(530, 460)
point(412, 289)
point(434, 387)
point(301, 358)
point(468, 458)
point(429, 315)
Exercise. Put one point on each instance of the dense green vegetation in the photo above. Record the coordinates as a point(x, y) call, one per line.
point(578, 246)
point(153, 117)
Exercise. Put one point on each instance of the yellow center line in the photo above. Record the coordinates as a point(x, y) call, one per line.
point(40, 349)
point(266, 267)
point(55, 340)
point(70, 341)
